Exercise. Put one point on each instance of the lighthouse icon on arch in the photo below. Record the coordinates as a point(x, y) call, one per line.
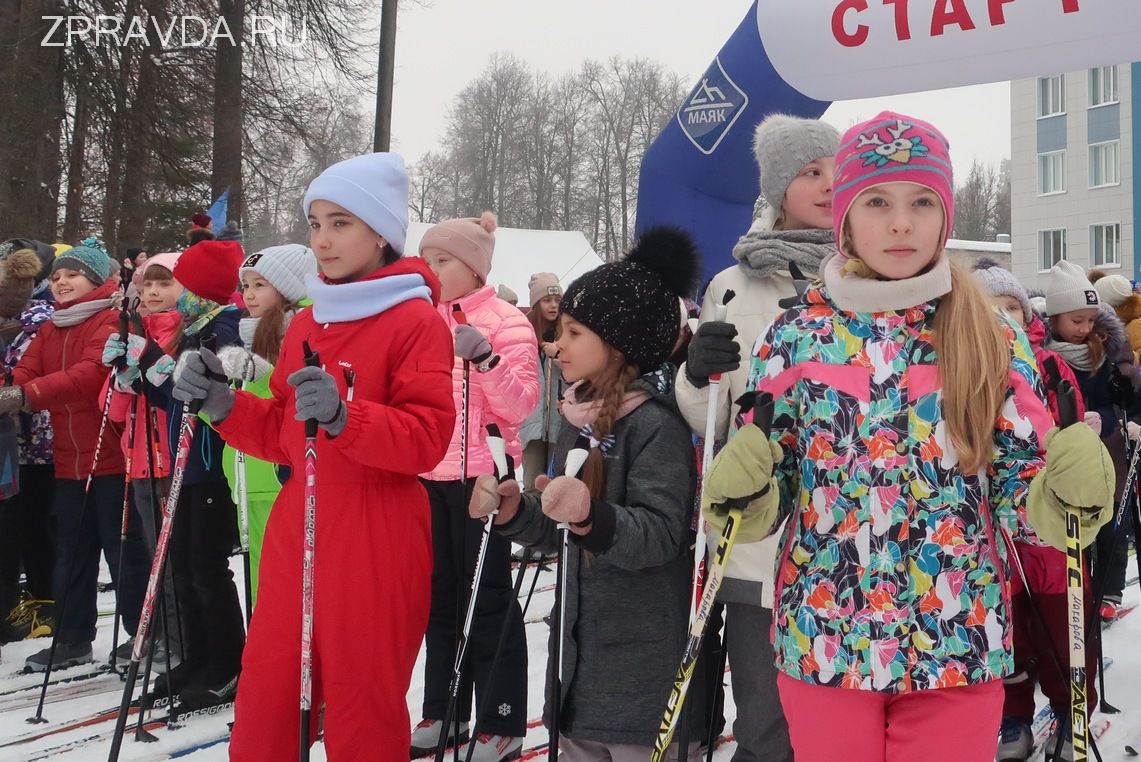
point(712, 108)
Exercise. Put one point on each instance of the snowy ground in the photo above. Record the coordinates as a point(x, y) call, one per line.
point(1122, 684)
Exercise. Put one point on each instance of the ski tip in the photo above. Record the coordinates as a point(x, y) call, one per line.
point(493, 430)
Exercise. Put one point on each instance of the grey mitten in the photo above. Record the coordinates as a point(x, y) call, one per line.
point(318, 397)
point(199, 376)
point(471, 344)
point(712, 350)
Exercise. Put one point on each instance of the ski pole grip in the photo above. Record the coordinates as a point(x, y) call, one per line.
point(720, 312)
point(206, 340)
point(1067, 404)
point(761, 403)
point(312, 360)
point(124, 332)
point(458, 314)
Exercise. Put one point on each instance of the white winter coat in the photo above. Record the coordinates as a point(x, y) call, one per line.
point(749, 578)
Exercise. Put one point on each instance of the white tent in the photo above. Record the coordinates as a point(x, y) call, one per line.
point(520, 253)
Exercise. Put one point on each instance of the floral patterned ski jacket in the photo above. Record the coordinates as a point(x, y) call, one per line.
point(891, 576)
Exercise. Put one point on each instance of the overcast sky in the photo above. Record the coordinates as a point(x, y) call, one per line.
point(442, 46)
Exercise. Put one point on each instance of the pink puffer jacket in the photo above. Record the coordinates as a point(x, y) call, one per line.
point(504, 395)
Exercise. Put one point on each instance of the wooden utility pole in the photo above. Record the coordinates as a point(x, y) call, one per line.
point(382, 130)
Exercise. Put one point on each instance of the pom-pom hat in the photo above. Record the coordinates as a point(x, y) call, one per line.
point(632, 304)
point(469, 239)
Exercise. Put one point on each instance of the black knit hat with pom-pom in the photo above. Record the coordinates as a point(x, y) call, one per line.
point(632, 304)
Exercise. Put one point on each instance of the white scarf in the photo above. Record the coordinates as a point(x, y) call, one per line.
point(77, 313)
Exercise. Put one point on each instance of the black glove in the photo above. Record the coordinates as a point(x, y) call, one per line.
point(712, 350)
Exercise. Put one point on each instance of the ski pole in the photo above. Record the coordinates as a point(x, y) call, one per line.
point(240, 476)
point(461, 319)
point(700, 549)
point(187, 428)
point(574, 462)
point(124, 333)
point(763, 420)
point(71, 567)
point(1079, 717)
point(167, 599)
point(310, 540)
point(711, 410)
point(1116, 533)
point(504, 470)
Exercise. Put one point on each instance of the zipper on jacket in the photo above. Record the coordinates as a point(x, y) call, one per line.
point(70, 417)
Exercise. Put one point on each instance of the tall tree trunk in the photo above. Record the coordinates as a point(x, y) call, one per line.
point(227, 167)
point(135, 210)
point(77, 152)
point(113, 194)
point(30, 122)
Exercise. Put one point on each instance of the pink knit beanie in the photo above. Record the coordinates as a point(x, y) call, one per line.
point(469, 239)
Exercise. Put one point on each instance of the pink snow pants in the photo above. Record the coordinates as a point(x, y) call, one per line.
point(951, 724)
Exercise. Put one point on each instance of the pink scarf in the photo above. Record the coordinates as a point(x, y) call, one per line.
point(585, 412)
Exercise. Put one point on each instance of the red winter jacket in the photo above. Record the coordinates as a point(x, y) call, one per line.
point(62, 372)
point(400, 417)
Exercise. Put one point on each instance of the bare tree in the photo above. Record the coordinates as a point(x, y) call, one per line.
point(975, 204)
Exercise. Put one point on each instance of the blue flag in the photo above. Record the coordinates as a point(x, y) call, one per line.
point(219, 209)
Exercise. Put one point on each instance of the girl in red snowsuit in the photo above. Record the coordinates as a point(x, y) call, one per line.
point(384, 403)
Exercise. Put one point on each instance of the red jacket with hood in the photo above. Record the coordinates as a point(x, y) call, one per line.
point(62, 372)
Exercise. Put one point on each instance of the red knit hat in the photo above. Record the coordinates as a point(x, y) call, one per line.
point(202, 220)
point(209, 269)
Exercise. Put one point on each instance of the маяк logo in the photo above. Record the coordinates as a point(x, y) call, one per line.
point(711, 109)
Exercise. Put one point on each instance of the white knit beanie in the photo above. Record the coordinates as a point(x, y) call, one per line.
point(1069, 289)
point(284, 267)
point(1114, 290)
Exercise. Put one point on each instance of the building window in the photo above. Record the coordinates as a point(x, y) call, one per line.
point(1051, 248)
point(1051, 172)
point(1052, 95)
point(1103, 86)
point(1104, 244)
point(1103, 164)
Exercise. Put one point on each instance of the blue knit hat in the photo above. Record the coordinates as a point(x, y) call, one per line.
point(88, 260)
point(374, 187)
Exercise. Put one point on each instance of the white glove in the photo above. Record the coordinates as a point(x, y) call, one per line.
point(240, 364)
